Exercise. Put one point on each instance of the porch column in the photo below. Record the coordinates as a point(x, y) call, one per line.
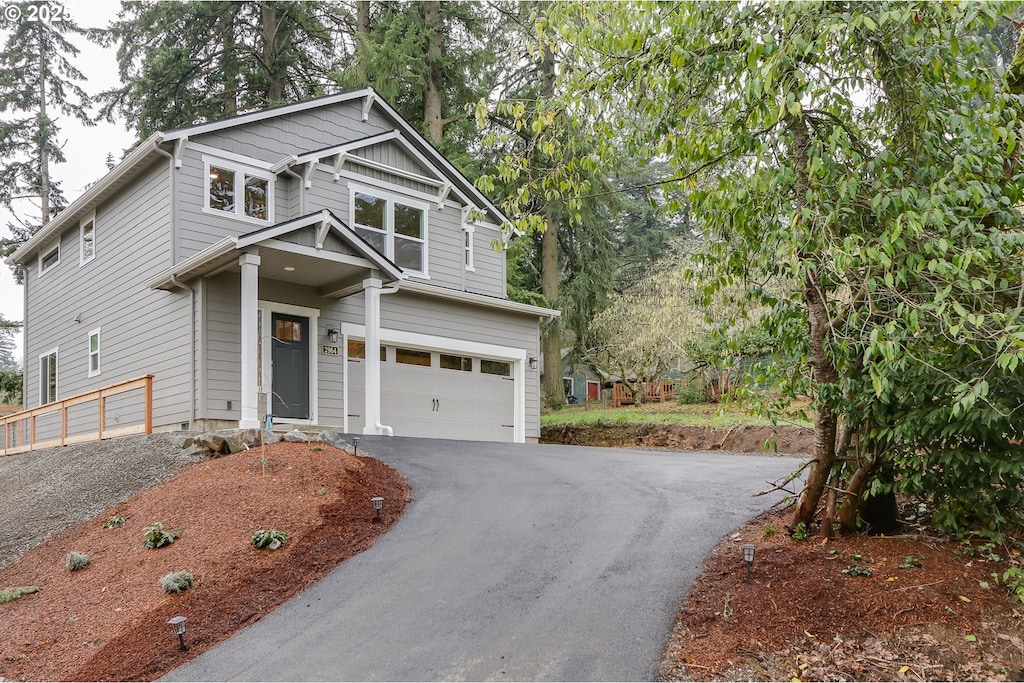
point(249, 308)
point(371, 411)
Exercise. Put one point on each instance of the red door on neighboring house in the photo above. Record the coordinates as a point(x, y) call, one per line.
point(593, 391)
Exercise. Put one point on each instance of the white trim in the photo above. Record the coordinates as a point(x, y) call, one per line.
point(44, 381)
point(82, 259)
point(267, 308)
point(507, 305)
point(97, 352)
point(240, 172)
point(389, 224)
point(389, 186)
point(429, 342)
point(572, 385)
point(46, 251)
point(224, 155)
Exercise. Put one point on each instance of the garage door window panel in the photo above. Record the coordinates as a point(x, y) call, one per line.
point(357, 350)
point(496, 367)
point(462, 363)
point(413, 357)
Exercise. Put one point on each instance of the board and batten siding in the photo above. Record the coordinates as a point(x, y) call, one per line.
point(142, 331)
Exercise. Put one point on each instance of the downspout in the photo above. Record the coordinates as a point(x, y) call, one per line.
point(177, 283)
point(383, 427)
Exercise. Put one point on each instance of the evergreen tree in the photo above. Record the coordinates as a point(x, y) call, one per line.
point(38, 83)
point(8, 328)
point(181, 63)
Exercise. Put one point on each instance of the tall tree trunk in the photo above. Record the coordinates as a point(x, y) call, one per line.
point(228, 61)
point(362, 39)
point(432, 93)
point(551, 342)
point(823, 370)
point(43, 132)
point(275, 73)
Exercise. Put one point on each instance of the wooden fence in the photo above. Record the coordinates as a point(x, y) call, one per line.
point(115, 410)
point(654, 392)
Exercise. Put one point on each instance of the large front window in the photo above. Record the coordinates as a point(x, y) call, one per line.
point(395, 227)
point(242, 193)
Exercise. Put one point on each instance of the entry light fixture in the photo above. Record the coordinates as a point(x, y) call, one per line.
point(332, 335)
point(748, 556)
point(533, 362)
point(378, 503)
point(178, 628)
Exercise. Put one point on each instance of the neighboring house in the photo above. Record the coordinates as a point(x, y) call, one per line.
point(245, 262)
point(580, 381)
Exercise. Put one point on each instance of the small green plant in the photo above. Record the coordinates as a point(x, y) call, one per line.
point(114, 522)
point(176, 582)
point(857, 570)
point(157, 536)
point(800, 532)
point(77, 560)
point(1012, 579)
point(768, 530)
point(13, 593)
point(272, 539)
point(911, 562)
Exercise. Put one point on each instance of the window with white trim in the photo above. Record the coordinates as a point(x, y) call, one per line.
point(48, 377)
point(243, 193)
point(49, 256)
point(94, 352)
point(394, 226)
point(87, 239)
point(468, 232)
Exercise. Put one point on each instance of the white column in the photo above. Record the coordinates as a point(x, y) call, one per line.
point(249, 307)
point(371, 411)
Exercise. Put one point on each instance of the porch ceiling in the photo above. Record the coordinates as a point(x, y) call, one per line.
point(301, 269)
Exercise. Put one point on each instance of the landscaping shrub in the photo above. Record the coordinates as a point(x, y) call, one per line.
point(77, 560)
point(176, 582)
point(157, 536)
point(269, 538)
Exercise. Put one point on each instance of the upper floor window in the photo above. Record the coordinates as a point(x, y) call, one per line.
point(394, 226)
point(49, 256)
point(244, 193)
point(87, 239)
point(468, 259)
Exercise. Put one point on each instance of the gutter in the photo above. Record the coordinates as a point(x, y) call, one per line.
point(66, 217)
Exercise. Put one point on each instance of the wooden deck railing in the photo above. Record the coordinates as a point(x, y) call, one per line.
point(654, 392)
point(115, 410)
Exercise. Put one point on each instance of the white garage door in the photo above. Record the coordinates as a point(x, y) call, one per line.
point(436, 394)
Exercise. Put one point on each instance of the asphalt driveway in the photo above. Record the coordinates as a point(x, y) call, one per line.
point(513, 562)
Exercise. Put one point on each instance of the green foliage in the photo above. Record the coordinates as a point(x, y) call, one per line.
point(768, 530)
point(115, 521)
point(856, 168)
point(176, 582)
point(271, 539)
point(13, 593)
point(158, 537)
point(1013, 580)
point(8, 363)
point(800, 532)
point(857, 567)
point(911, 562)
point(692, 391)
point(77, 560)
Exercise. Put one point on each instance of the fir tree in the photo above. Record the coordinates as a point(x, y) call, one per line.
point(38, 83)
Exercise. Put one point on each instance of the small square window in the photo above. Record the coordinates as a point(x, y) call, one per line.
point(49, 257)
point(256, 197)
point(247, 194)
point(222, 189)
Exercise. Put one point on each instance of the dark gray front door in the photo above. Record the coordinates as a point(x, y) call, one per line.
point(291, 365)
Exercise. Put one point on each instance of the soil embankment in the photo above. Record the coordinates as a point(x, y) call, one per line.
point(738, 439)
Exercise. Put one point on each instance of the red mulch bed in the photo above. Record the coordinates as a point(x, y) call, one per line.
point(109, 620)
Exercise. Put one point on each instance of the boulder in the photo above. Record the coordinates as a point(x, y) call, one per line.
point(295, 436)
point(331, 437)
point(214, 444)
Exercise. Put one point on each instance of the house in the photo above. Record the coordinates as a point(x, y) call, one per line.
point(318, 261)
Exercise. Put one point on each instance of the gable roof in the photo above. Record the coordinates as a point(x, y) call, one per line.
point(152, 149)
point(224, 252)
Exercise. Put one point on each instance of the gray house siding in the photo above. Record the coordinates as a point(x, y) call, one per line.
point(141, 331)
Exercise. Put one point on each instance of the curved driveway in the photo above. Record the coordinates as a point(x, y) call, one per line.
point(513, 562)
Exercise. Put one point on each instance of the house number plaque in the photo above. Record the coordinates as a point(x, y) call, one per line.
point(327, 350)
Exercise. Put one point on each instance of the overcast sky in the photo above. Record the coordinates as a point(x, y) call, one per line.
point(86, 148)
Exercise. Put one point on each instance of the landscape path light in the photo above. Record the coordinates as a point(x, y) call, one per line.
point(378, 503)
point(748, 556)
point(178, 627)
point(355, 445)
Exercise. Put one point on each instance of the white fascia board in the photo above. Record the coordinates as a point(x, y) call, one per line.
point(71, 214)
point(347, 147)
point(166, 276)
point(478, 300)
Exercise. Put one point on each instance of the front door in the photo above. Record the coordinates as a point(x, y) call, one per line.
point(290, 360)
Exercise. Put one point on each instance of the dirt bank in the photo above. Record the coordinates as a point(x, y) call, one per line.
point(739, 439)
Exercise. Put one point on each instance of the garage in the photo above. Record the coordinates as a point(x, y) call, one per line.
point(435, 393)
